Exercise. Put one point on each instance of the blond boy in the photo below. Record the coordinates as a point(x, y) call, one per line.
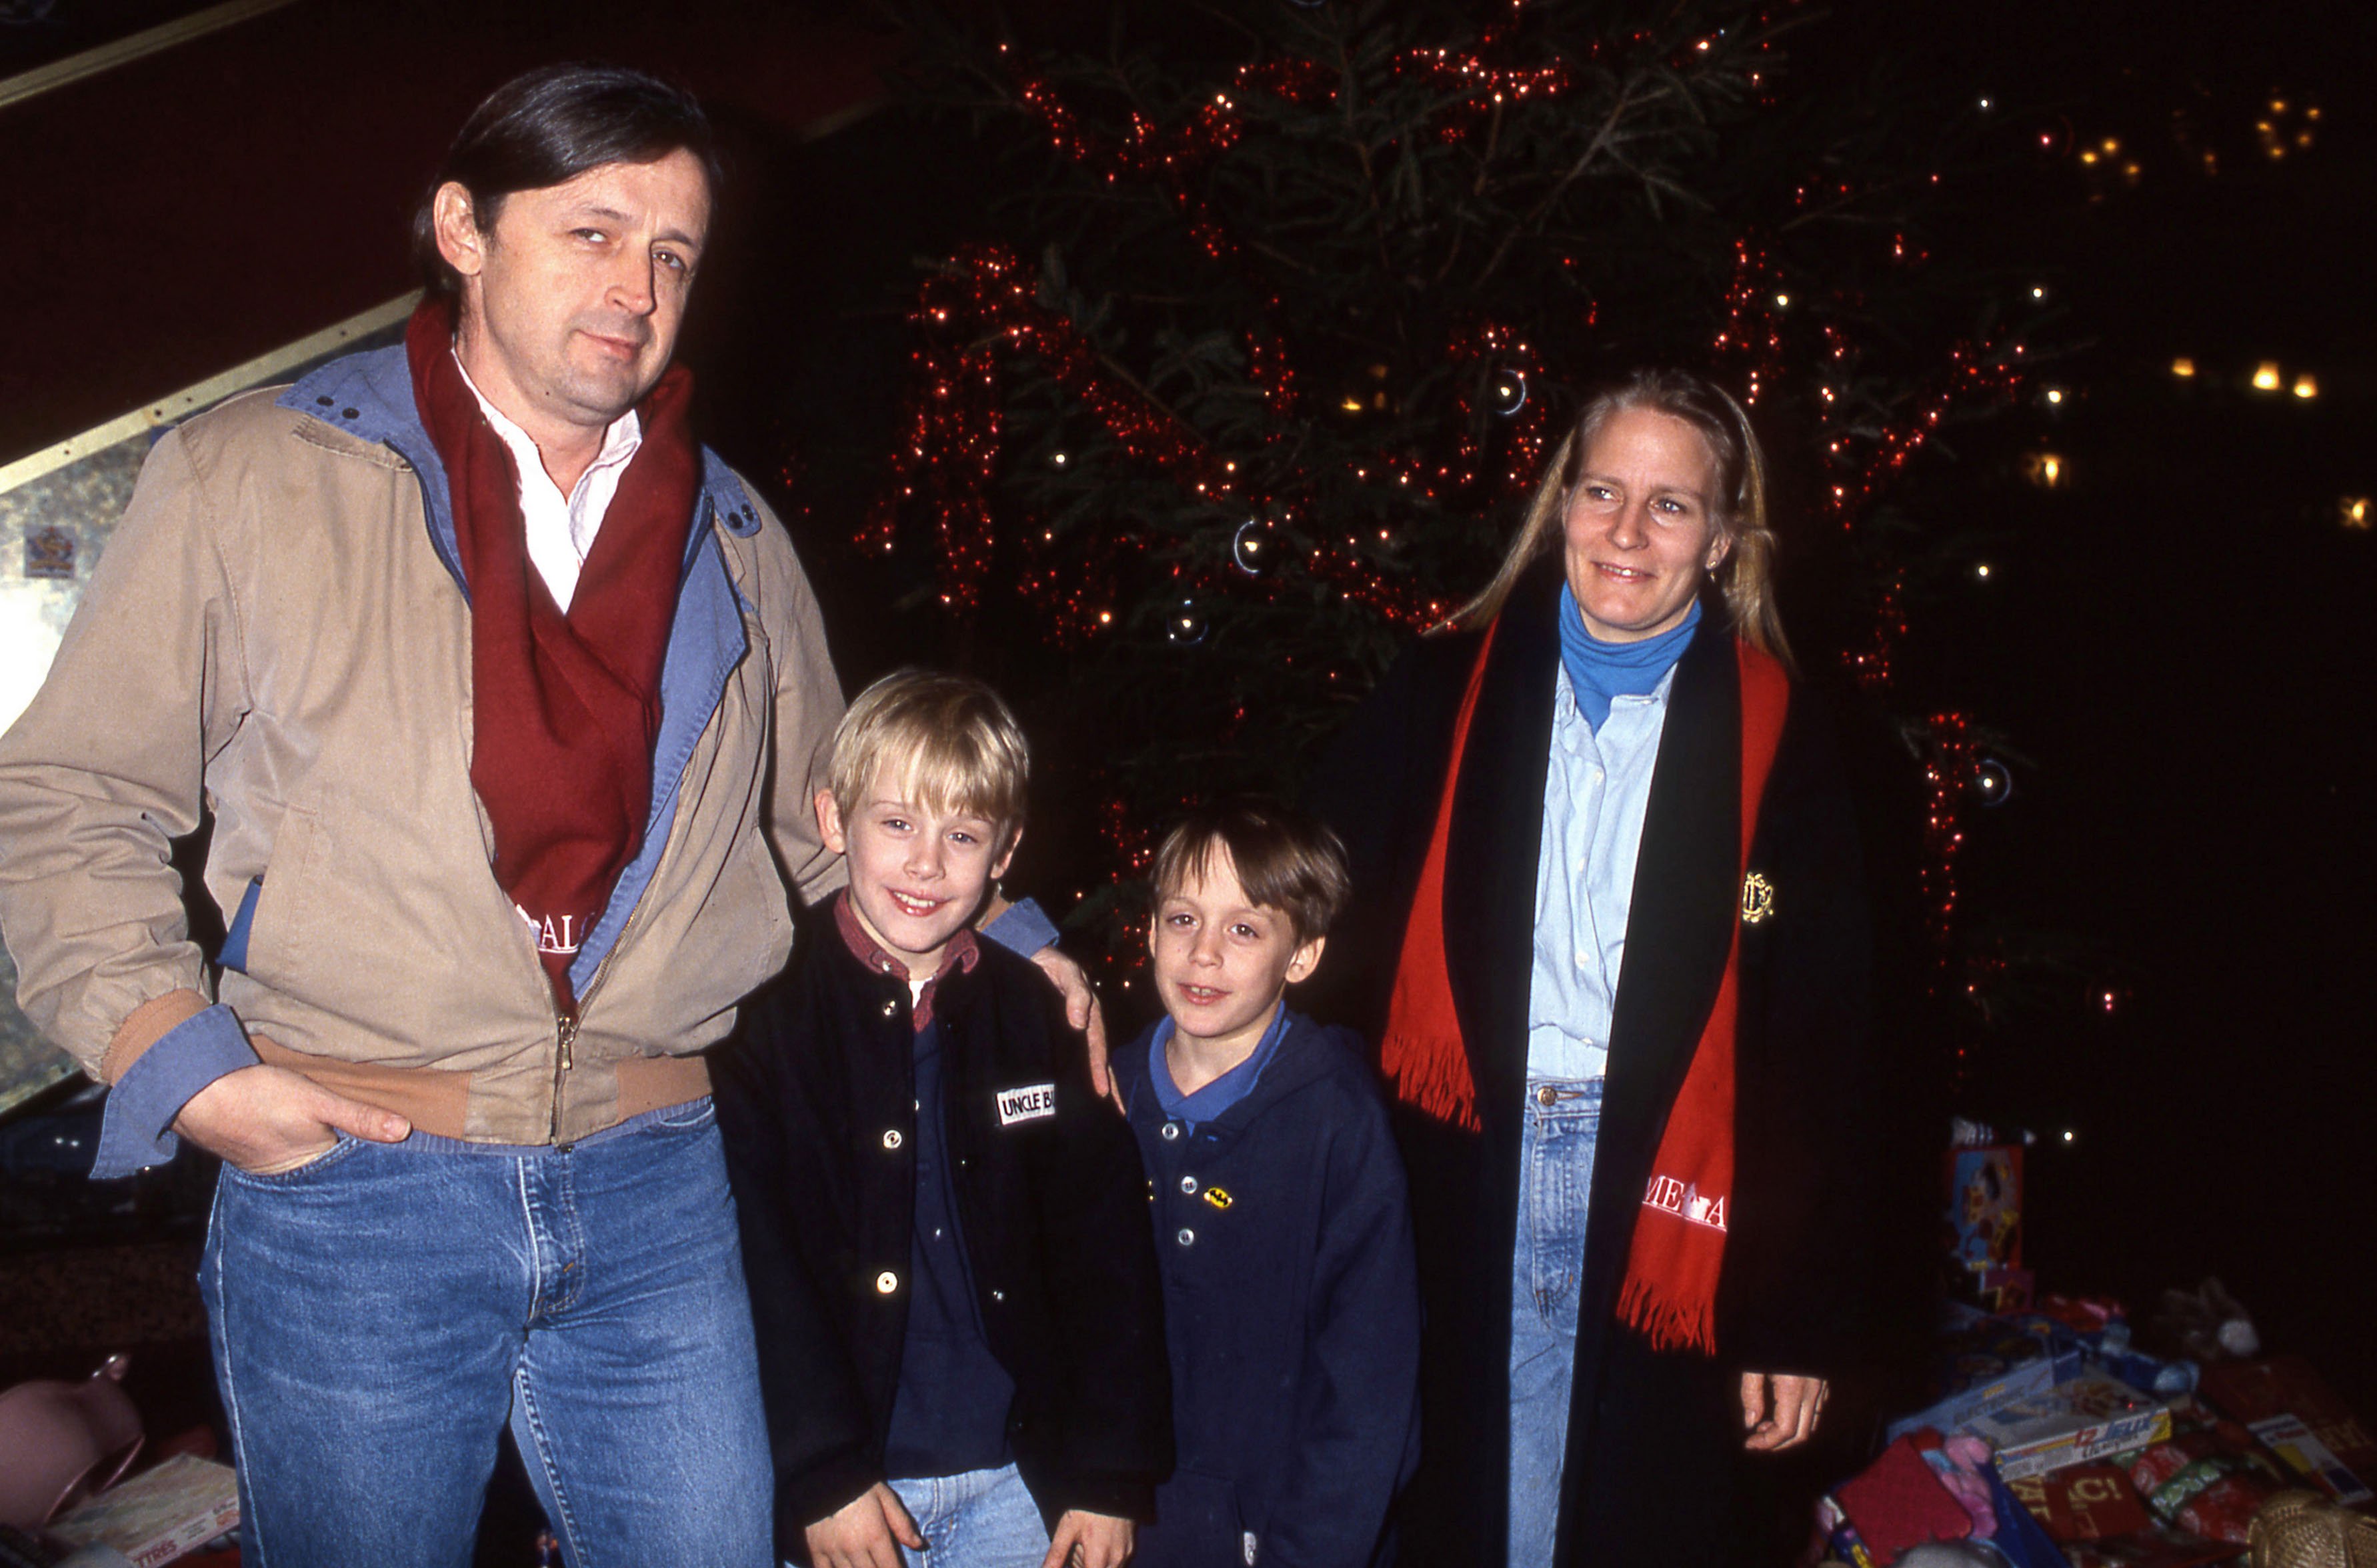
point(960, 1340)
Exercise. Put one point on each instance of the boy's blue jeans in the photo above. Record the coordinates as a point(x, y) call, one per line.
point(1547, 1268)
point(979, 1519)
point(380, 1315)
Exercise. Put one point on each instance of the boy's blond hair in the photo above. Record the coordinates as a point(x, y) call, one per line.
point(1284, 860)
point(945, 743)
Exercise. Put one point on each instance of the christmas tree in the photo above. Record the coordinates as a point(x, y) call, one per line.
point(1294, 300)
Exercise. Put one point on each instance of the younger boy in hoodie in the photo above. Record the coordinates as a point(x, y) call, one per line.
point(1291, 1298)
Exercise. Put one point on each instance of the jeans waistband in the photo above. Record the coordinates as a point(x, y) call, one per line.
point(1552, 1099)
point(672, 1115)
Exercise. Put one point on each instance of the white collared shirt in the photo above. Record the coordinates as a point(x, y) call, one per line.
point(561, 528)
point(1597, 794)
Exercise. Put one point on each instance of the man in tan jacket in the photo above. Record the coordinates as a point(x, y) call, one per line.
point(504, 693)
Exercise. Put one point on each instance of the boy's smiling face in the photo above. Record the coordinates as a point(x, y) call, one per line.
point(917, 875)
point(1221, 961)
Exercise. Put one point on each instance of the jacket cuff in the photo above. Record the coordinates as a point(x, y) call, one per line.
point(1022, 929)
point(137, 1129)
point(818, 1495)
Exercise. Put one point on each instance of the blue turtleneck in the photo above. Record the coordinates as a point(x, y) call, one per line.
point(1599, 671)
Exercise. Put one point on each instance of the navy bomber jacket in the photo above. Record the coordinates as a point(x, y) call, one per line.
point(816, 1100)
point(1291, 1302)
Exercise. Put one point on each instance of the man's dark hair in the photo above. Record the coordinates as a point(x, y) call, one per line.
point(550, 125)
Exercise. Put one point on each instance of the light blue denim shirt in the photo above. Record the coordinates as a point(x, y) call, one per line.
point(1596, 793)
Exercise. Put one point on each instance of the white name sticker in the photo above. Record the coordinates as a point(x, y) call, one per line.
point(1026, 1104)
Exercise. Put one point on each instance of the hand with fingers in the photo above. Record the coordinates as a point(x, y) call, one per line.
point(866, 1532)
point(1090, 1540)
point(266, 1120)
point(1082, 1011)
point(1779, 1410)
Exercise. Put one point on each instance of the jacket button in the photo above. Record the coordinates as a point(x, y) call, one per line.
point(891, 1009)
point(1547, 1095)
point(349, 414)
point(1186, 1237)
point(1188, 1185)
point(1170, 1132)
point(891, 1138)
point(326, 401)
point(886, 1282)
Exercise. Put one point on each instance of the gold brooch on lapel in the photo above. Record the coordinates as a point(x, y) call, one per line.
point(1756, 899)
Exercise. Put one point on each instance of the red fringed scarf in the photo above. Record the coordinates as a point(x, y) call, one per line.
point(566, 708)
point(1678, 1248)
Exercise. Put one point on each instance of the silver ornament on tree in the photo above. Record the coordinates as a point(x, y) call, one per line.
point(1252, 547)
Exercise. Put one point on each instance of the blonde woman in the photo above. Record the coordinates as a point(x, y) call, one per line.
point(1618, 953)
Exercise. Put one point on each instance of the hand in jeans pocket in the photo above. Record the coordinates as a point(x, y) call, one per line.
point(268, 1121)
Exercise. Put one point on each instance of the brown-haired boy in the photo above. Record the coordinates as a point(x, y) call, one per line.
point(1291, 1297)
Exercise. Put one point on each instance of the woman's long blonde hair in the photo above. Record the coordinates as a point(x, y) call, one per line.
point(1746, 577)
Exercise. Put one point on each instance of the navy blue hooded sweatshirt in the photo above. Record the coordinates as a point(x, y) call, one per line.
point(1291, 1304)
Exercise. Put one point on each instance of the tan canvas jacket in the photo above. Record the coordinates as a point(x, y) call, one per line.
point(272, 626)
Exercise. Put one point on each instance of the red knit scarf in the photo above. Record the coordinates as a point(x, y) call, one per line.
point(1678, 1248)
point(565, 708)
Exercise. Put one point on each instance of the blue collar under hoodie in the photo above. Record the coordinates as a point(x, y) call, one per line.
point(1211, 1100)
point(1599, 671)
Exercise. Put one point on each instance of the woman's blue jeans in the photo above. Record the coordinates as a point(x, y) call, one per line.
point(1563, 1121)
point(380, 1315)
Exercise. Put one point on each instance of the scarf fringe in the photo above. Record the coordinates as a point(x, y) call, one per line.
point(1669, 1326)
point(1432, 1075)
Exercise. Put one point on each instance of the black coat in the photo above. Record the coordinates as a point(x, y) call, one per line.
point(816, 1100)
point(1653, 1439)
point(1291, 1305)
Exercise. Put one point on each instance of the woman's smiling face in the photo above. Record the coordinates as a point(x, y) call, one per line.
point(1640, 525)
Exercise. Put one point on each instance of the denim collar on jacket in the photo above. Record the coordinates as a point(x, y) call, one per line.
point(369, 396)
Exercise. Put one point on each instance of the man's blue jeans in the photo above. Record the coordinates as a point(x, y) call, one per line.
point(977, 1519)
point(380, 1313)
point(1548, 1270)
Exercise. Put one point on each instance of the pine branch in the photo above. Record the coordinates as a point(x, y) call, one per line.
point(1603, 140)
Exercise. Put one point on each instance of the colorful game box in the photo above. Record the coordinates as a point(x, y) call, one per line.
point(2087, 1417)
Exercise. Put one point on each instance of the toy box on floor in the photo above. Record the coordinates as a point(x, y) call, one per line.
point(158, 1517)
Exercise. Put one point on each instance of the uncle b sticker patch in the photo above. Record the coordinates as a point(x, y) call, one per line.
point(1028, 1103)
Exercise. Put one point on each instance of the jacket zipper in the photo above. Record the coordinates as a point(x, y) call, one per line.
point(566, 1020)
